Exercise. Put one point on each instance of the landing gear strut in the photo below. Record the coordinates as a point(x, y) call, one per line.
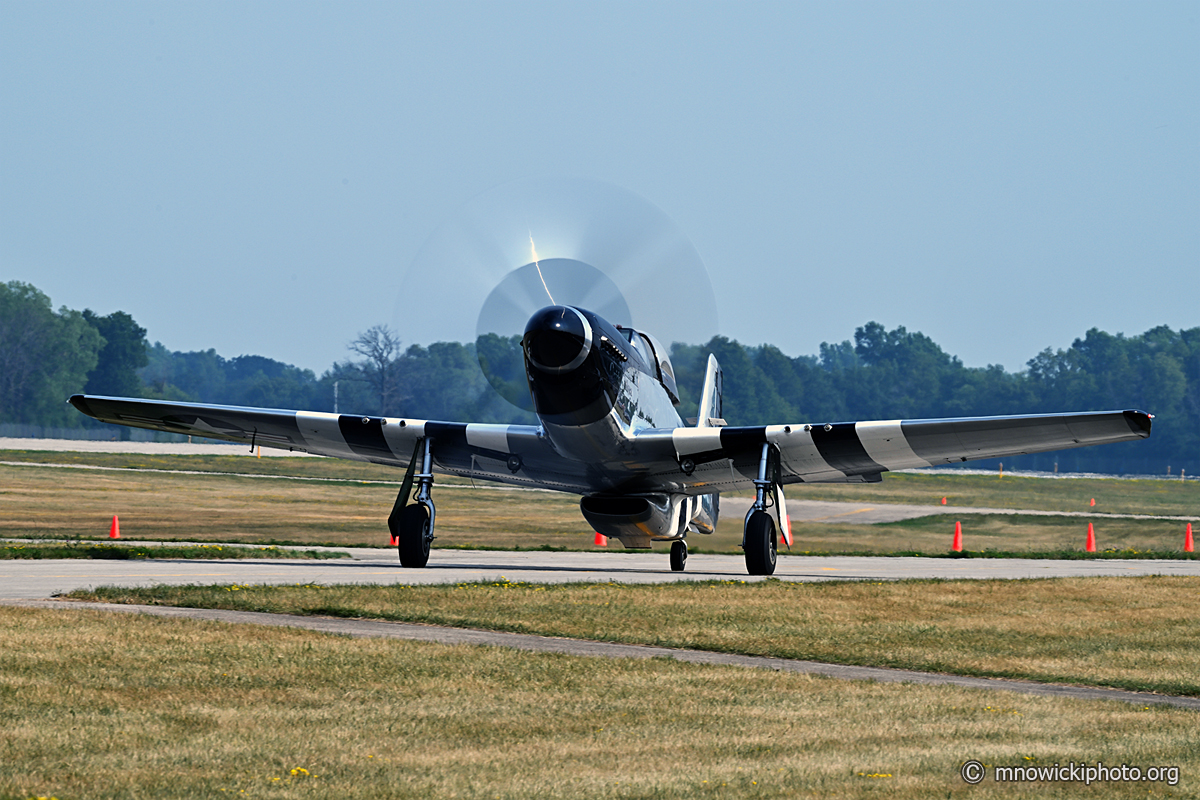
point(679, 554)
point(411, 524)
point(759, 537)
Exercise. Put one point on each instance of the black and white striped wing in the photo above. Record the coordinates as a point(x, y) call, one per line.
point(857, 451)
point(469, 449)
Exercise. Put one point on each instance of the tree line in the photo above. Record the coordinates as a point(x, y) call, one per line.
point(46, 355)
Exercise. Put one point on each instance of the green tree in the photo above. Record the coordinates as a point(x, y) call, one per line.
point(750, 397)
point(44, 356)
point(267, 383)
point(908, 375)
point(158, 375)
point(123, 354)
point(502, 362)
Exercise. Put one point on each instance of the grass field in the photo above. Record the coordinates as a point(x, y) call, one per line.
point(241, 464)
point(219, 507)
point(343, 504)
point(1163, 497)
point(993, 534)
point(95, 705)
point(131, 551)
point(232, 711)
point(1130, 633)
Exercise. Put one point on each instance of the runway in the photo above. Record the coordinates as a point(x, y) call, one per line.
point(31, 579)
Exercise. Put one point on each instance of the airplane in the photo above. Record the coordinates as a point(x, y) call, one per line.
point(609, 431)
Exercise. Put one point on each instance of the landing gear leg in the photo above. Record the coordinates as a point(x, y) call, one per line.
point(412, 523)
point(759, 537)
point(679, 554)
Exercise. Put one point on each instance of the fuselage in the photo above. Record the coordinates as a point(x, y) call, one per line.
point(595, 385)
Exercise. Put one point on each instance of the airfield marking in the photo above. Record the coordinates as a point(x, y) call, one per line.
point(360, 628)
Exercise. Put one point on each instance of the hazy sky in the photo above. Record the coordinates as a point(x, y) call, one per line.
point(258, 177)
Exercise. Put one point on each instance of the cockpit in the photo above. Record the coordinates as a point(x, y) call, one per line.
point(655, 355)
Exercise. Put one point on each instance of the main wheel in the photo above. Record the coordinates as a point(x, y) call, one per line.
point(413, 537)
point(678, 555)
point(760, 544)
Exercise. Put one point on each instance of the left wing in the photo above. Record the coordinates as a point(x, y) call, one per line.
point(508, 453)
point(727, 458)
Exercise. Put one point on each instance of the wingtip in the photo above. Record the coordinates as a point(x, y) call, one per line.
point(1139, 421)
point(80, 403)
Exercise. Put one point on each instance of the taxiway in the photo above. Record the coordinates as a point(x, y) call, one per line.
point(34, 579)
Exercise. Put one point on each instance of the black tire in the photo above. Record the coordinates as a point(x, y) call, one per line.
point(761, 544)
point(412, 538)
point(679, 554)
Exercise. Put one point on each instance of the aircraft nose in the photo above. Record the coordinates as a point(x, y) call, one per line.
point(557, 339)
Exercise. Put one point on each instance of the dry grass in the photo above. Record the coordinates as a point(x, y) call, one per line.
point(126, 551)
point(1166, 497)
point(141, 707)
point(39, 501)
point(1010, 533)
point(1133, 633)
point(343, 508)
point(239, 462)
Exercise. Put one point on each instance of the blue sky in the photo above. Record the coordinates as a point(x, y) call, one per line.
point(259, 177)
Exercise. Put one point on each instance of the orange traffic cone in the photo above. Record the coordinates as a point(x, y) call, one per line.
point(601, 539)
point(114, 532)
point(943, 501)
point(392, 540)
point(1188, 545)
point(1093, 502)
point(957, 546)
point(1091, 542)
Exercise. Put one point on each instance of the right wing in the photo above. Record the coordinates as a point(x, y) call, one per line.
point(473, 450)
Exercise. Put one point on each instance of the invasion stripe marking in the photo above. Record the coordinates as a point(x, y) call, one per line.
point(447, 432)
point(885, 444)
point(488, 437)
point(841, 448)
point(743, 442)
point(364, 435)
point(323, 435)
point(800, 456)
point(689, 441)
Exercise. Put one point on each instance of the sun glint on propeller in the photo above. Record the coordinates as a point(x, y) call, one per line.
point(572, 242)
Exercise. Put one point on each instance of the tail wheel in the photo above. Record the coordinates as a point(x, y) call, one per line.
point(413, 536)
point(761, 543)
point(679, 554)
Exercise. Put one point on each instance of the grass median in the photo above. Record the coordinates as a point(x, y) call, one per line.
point(136, 552)
point(239, 710)
point(1131, 633)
